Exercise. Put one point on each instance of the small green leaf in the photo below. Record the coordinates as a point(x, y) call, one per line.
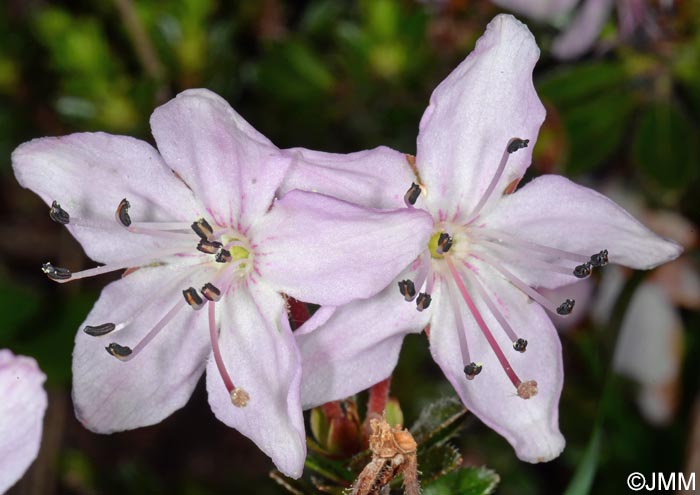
point(665, 146)
point(331, 470)
point(467, 481)
point(583, 478)
point(439, 422)
point(437, 461)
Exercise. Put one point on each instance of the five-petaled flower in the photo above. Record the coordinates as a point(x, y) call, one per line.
point(197, 225)
point(476, 283)
point(22, 406)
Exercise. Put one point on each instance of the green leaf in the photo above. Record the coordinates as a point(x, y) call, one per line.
point(665, 146)
point(583, 478)
point(437, 461)
point(574, 84)
point(439, 422)
point(467, 481)
point(331, 470)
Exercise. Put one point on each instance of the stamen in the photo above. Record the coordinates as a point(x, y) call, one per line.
point(192, 298)
point(423, 301)
point(209, 247)
point(99, 330)
point(58, 214)
point(211, 292)
point(527, 258)
point(515, 380)
point(600, 259)
point(412, 194)
point(566, 307)
point(202, 228)
point(56, 272)
point(529, 291)
point(127, 354)
point(515, 243)
point(513, 145)
point(118, 351)
point(492, 306)
point(461, 332)
point(444, 243)
point(407, 289)
point(583, 271)
point(239, 397)
point(472, 369)
point(122, 214)
point(223, 256)
point(520, 345)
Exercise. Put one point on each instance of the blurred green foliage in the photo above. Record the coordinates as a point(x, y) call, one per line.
point(336, 76)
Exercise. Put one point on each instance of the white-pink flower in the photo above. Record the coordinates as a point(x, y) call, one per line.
point(477, 282)
point(22, 405)
point(198, 224)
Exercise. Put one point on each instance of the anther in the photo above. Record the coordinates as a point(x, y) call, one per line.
point(412, 194)
point(193, 298)
point(516, 144)
point(122, 213)
point(407, 289)
point(209, 247)
point(202, 228)
point(520, 345)
point(444, 243)
point(423, 301)
point(56, 272)
point(223, 256)
point(583, 271)
point(58, 214)
point(600, 259)
point(239, 397)
point(472, 369)
point(211, 292)
point(527, 389)
point(99, 330)
point(566, 307)
point(118, 351)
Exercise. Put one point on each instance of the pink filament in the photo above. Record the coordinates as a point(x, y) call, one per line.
point(162, 323)
point(213, 335)
point(482, 325)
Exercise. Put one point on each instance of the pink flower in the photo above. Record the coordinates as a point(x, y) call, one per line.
point(582, 27)
point(477, 282)
point(21, 415)
point(197, 225)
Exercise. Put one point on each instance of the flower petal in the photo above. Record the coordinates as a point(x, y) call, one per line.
point(260, 355)
point(541, 10)
point(474, 113)
point(21, 415)
point(357, 346)
point(555, 212)
point(110, 395)
point(583, 30)
point(88, 174)
point(531, 426)
point(321, 250)
point(232, 168)
point(376, 178)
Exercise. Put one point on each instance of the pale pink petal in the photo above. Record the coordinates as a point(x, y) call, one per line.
point(232, 168)
point(261, 357)
point(531, 426)
point(681, 282)
point(110, 395)
point(649, 349)
point(474, 113)
point(356, 345)
point(322, 250)
point(583, 30)
point(22, 405)
point(554, 212)
point(541, 10)
point(88, 174)
point(377, 178)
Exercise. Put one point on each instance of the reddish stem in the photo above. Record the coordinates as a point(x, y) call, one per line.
point(332, 410)
point(378, 397)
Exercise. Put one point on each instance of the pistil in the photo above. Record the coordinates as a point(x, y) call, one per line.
point(239, 397)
